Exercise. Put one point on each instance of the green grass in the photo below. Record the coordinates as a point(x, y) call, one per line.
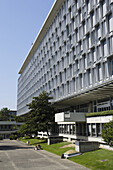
point(91, 159)
point(54, 148)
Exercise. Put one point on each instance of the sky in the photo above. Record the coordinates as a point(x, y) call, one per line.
point(20, 23)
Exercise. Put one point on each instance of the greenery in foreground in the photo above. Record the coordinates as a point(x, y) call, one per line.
point(96, 160)
point(107, 133)
point(54, 148)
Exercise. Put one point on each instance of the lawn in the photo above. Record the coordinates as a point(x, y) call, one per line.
point(54, 148)
point(96, 160)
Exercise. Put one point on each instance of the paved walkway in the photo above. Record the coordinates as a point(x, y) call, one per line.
point(15, 155)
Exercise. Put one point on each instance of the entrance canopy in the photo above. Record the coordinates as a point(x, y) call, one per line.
point(100, 91)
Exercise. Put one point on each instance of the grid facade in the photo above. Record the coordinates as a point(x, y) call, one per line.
point(75, 54)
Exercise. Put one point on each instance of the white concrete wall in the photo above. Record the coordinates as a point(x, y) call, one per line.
point(99, 119)
point(70, 117)
point(59, 117)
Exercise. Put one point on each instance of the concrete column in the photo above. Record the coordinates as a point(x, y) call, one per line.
point(101, 128)
point(110, 103)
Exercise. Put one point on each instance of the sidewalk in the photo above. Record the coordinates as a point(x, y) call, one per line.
point(14, 155)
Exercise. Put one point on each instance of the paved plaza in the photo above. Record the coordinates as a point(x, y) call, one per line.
point(15, 155)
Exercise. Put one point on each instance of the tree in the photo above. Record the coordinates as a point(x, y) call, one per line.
point(4, 114)
point(40, 116)
point(107, 133)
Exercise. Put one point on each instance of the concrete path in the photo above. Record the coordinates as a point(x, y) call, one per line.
point(15, 155)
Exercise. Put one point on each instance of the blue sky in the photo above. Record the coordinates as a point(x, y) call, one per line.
point(20, 22)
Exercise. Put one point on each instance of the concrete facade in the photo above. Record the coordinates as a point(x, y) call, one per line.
point(72, 58)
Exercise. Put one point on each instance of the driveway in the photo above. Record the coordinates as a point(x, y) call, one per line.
point(15, 155)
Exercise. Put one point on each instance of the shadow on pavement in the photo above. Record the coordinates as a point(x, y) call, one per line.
point(6, 147)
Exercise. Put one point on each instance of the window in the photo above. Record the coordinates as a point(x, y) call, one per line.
point(110, 23)
point(88, 6)
point(84, 62)
point(98, 54)
point(80, 16)
point(60, 77)
point(104, 28)
point(84, 28)
point(81, 81)
point(67, 29)
point(76, 35)
point(88, 41)
point(104, 48)
point(89, 77)
point(68, 87)
point(93, 129)
point(98, 129)
point(89, 129)
point(76, 4)
point(93, 55)
point(97, 13)
point(103, 5)
point(110, 67)
point(98, 32)
point(74, 84)
point(92, 37)
point(99, 72)
point(92, 19)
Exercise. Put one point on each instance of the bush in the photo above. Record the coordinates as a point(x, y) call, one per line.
point(37, 137)
point(107, 133)
point(15, 137)
point(11, 137)
point(28, 137)
point(1, 137)
point(42, 138)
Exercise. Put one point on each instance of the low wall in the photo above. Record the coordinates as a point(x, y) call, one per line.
point(106, 147)
point(86, 146)
point(54, 139)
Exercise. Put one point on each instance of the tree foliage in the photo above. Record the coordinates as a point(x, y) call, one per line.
point(107, 133)
point(40, 116)
point(4, 114)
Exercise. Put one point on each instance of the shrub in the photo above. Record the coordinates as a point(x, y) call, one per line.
point(42, 138)
point(1, 137)
point(15, 137)
point(11, 137)
point(37, 137)
point(107, 133)
point(28, 137)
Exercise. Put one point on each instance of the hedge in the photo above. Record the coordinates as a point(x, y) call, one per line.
point(103, 113)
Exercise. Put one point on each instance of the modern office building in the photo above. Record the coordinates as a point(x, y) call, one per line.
point(72, 58)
